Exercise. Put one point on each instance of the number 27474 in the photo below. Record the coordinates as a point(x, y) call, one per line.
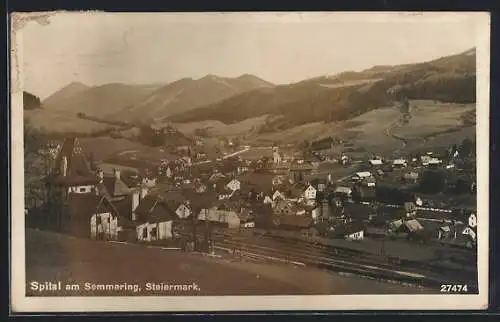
point(454, 288)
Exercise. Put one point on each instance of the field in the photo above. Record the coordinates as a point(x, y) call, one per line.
point(55, 121)
point(429, 118)
point(54, 257)
point(106, 147)
point(435, 124)
point(217, 128)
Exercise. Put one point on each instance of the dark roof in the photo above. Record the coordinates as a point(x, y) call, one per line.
point(124, 207)
point(116, 187)
point(349, 228)
point(201, 200)
point(78, 169)
point(146, 205)
point(82, 207)
point(152, 209)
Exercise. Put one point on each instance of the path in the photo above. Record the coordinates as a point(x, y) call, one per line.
point(236, 153)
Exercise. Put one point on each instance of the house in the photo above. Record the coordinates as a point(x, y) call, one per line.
point(217, 176)
point(363, 175)
point(106, 222)
point(411, 176)
point(310, 193)
point(412, 226)
point(410, 209)
point(446, 232)
point(268, 200)
point(149, 181)
point(399, 163)
point(375, 162)
point(285, 207)
point(180, 206)
point(472, 220)
point(354, 232)
point(343, 192)
point(468, 231)
point(223, 192)
point(223, 215)
point(69, 180)
point(369, 181)
point(429, 160)
point(233, 185)
point(112, 187)
point(155, 220)
point(277, 195)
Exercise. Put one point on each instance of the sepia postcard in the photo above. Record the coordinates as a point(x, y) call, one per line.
point(193, 162)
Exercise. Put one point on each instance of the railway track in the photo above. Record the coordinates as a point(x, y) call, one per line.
point(336, 259)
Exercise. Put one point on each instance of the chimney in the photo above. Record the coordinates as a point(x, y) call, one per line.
point(135, 202)
point(100, 175)
point(117, 173)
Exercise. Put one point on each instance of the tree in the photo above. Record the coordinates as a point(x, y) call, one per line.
point(467, 147)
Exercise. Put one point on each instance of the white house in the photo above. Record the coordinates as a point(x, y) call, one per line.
point(362, 175)
point(375, 162)
point(472, 220)
point(233, 185)
point(346, 191)
point(155, 218)
point(469, 231)
point(183, 211)
point(268, 200)
point(104, 225)
point(154, 231)
point(310, 193)
point(355, 235)
point(399, 163)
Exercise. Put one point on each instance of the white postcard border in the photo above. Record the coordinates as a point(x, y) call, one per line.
point(21, 303)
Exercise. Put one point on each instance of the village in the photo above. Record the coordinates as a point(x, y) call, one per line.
point(259, 206)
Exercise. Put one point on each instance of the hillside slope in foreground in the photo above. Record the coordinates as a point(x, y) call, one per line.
point(55, 257)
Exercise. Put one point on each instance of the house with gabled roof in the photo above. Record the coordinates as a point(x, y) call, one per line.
point(156, 220)
point(70, 179)
point(106, 223)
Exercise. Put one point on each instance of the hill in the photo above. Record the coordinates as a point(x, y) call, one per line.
point(187, 94)
point(31, 102)
point(346, 95)
point(97, 100)
point(58, 98)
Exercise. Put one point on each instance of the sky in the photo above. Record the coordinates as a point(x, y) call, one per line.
point(101, 48)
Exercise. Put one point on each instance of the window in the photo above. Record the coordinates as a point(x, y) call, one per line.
point(154, 232)
point(82, 189)
point(145, 232)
